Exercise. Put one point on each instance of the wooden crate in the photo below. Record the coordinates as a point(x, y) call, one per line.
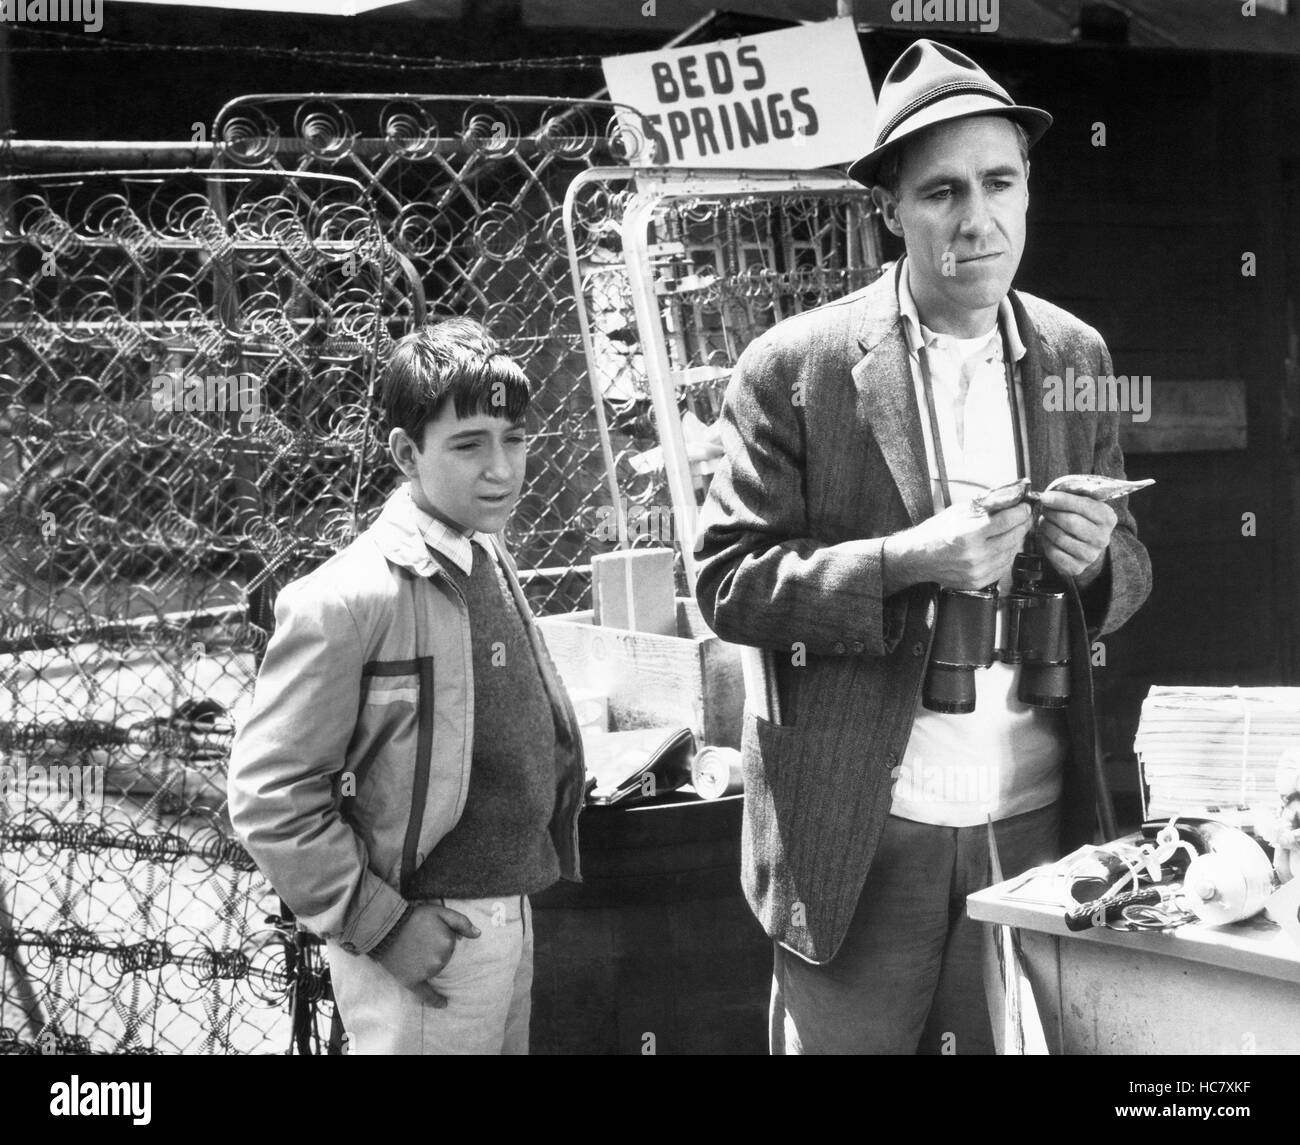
point(692, 678)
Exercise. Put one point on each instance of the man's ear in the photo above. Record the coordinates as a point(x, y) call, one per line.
point(402, 447)
point(888, 206)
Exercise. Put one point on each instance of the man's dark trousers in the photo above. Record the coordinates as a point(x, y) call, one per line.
point(909, 975)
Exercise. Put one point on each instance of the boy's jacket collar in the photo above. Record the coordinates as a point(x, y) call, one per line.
point(400, 538)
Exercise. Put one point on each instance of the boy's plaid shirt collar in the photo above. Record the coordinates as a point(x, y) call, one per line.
point(446, 541)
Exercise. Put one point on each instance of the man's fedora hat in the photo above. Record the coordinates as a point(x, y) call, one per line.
point(931, 83)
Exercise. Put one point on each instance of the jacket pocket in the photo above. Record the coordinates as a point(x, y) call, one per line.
point(395, 721)
point(770, 755)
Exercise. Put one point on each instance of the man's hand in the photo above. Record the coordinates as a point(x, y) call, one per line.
point(423, 946)
point(1075, 533)
point(958, 548)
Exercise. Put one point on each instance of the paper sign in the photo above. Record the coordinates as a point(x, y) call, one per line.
point(799, 98)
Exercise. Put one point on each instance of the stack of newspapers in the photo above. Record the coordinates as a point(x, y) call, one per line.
point(1217, 751)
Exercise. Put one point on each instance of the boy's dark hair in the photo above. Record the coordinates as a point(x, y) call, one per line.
point(454, 359)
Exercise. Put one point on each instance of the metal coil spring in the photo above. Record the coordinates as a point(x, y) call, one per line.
point(179, 739)
point(214, 850)
point(55, 1042)
point(201, 964)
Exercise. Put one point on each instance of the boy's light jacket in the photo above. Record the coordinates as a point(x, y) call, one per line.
point(355, 759)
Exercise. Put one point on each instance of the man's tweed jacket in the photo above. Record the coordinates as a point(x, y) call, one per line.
point(825, 458)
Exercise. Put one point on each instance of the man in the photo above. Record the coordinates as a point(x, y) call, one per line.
point(856, 435)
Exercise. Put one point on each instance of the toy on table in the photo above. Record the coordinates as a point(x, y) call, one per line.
point(1286, 838)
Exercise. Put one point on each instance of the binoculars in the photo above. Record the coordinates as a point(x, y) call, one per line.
point(1036, 637)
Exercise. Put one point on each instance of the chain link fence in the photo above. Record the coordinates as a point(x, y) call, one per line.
point(188, 358)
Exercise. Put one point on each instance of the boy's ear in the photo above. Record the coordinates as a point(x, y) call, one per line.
point(403, 448)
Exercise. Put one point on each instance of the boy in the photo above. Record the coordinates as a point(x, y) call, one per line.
point(411, 769)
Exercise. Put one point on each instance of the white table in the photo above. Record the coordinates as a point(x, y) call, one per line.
point(1195, 990)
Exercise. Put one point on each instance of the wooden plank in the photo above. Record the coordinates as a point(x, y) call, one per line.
point(692, 678)
point(1189, 416)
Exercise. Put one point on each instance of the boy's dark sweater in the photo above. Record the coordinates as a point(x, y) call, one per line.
point(501, 845)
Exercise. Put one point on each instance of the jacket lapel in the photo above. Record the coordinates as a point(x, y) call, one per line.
point(399, 539)
point(1047, 445)
point(887, 400)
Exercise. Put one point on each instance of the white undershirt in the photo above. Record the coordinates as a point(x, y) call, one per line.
point(1004, 758)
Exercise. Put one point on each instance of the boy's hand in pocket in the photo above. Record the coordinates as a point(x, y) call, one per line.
point(423, 946)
